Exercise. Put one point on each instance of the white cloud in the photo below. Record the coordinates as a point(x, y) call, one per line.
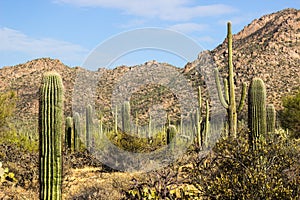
point(13, 40)
point(173, 10)
point(188, 27)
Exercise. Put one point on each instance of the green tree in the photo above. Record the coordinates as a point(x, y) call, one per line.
point(7, 107)
point(290, 114)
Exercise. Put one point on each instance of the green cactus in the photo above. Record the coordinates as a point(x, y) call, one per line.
point(69, 134)
point(51, 131)
point(126, 117)
point(201, 126)
point(229, 101)
point(171, 134)
point(116, 120)
point(256, 110)
point(150, 127)
point(271, 118)
point(77, 131)
point(89, 127)
point(199, 119)
point(206, 125)
point(137, 124)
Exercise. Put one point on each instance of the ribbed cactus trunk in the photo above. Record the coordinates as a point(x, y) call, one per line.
point(89, 127)
point(126, 117)
point(256, 110)
point(77, 131)
point(207, 126)
point(51, 131)
point(199, 119)
point(69, 134)
point(229, 101)
point(171, 133)
point(271, 118)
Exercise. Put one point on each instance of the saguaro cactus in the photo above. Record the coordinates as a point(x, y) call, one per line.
point(51, 131)
point(89, 126)
point(77, 131)
point(256, 109)
point(199, 119)
point(171, 133)
point(207, 125)
point(126, 117)
point(69, 133)
point(271, 118)
point(229, 101)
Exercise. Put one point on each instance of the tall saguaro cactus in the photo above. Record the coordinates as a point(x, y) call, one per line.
point(51, 130)
point(256, 109)
point(229, 101)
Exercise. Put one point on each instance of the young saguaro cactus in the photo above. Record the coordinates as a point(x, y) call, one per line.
point(229, 101)
point(77, 131)
point(126, 117)
point(69, 133)
point(89, 126)
point(171, 134)
point(51, 131)
point(256, 109)
point(271, 118)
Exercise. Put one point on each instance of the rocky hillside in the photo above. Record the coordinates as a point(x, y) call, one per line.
point(269, 48)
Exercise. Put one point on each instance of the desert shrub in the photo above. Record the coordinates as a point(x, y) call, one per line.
point(6, 175)
point(233, 170)
point(166, 183)
point(290, 115)
point(7, 107)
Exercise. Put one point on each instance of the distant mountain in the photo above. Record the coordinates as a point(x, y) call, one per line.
point(269, 47)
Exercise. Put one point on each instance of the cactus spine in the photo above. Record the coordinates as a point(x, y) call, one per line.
point(271, 118)
point(51, 131)
point(69, 134)
point(229, 101)
point(77, 131)
point(126, 117)
point(256, 110)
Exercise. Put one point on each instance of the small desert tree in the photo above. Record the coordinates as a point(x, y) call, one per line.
point(290, 115)
point(7, 107)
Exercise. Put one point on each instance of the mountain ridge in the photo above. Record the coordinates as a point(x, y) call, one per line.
point(269, 48)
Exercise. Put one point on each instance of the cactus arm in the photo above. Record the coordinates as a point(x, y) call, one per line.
point(225, 81)
point(221, 97)
point(199, 99)
point(243, 97)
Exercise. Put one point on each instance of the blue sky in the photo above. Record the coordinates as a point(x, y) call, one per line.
point(70, 29)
